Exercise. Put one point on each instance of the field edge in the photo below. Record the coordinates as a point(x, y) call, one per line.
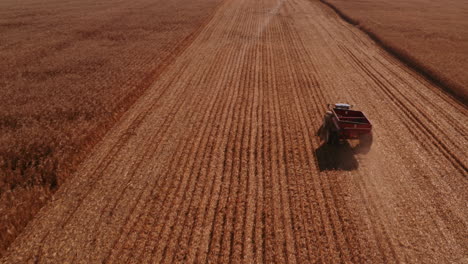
point(452, 89)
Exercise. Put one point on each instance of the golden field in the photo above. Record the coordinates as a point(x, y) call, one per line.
point(68, 71)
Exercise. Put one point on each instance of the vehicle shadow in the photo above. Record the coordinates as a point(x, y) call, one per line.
point(336, 157)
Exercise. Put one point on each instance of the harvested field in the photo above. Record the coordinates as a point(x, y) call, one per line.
point(218, 161)
point(68, 71)
point(431, 36)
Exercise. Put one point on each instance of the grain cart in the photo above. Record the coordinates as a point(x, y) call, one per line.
point(341, 123)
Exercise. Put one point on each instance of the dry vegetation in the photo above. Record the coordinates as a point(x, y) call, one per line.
point(68, 71)
point(431, 36)
point(219, 161)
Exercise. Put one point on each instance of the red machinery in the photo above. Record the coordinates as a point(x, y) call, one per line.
point(342, 123)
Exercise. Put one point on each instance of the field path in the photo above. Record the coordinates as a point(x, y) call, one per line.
point(219, 160)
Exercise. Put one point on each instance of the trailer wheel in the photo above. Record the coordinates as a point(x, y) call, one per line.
point(365, 142)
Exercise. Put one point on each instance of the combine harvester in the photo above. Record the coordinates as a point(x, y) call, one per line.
point(341, 123)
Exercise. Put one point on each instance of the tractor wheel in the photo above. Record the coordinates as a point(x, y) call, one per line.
point(330, 137)
point(320, 131)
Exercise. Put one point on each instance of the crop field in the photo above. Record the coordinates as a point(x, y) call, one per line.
point(431, 36)
point(68, 71)
point(218, 160)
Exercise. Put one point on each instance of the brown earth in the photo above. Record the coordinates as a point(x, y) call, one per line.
point(68, 71)
point(431, 36)
point(218, 161)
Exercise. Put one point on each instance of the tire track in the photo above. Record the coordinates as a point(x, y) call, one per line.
point(340, 221)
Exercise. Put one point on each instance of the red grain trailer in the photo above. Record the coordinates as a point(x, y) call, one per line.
point(341, 123)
